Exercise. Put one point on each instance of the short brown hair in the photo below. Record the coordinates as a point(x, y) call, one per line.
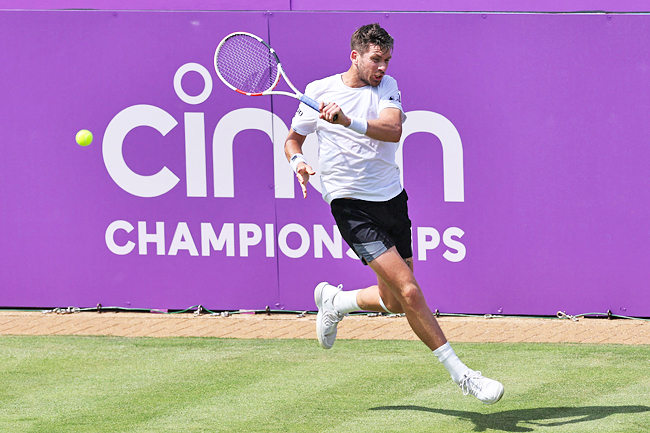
point(371, 34)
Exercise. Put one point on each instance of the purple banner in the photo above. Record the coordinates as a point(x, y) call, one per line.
point(140, 5)
point(524, 156)
point(340, 5)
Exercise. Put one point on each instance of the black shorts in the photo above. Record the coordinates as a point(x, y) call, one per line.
point(371, 228)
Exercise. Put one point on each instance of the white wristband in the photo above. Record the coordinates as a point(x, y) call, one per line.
point(297, 158)
point(358, 125)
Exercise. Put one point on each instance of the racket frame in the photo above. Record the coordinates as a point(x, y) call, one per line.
point(297, 95)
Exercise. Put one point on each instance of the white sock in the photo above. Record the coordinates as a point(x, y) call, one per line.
point(451, 362)
point(346, 302)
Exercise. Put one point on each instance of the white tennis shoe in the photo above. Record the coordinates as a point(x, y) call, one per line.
point(487, 390)
point(328, 318)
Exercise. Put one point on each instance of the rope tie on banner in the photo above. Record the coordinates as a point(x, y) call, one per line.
point(378, 314)
point(69, 310)
point(199, 310)
point(222, 314)
point(564, 315)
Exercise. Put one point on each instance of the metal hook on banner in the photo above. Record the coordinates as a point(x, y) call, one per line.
point(564, 315)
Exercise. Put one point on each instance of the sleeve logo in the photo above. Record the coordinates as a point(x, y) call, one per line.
point(397, 97)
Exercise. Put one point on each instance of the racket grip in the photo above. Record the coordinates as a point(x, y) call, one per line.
point(313, 104)
point(308, 101)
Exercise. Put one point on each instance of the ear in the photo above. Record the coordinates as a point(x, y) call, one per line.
point(354, 56)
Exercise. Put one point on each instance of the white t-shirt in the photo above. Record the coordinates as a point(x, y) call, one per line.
point(353, 165)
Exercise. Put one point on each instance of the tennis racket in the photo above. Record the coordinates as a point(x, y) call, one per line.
point(248, 65)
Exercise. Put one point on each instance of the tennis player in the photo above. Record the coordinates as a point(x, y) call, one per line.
point(358, 134)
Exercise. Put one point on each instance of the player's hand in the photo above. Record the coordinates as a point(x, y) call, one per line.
point(332, 113)
point(303, 171)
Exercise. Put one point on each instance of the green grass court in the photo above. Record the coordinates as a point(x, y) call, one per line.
point(105, 384)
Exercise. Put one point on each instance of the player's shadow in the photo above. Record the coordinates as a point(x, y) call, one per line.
point(509, 420)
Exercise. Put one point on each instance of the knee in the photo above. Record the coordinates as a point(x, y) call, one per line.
point(411, 295)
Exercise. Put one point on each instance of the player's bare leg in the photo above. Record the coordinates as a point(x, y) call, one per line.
point(396, 275)
point(334, 304)
point(397, 291)
point(400, 295)
point(393, 271)
point(378, 298)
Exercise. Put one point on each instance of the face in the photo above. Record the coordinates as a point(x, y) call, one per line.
point(371, 65)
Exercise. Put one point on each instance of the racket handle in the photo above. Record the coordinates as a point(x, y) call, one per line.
point(313, 104)
point(308, 101)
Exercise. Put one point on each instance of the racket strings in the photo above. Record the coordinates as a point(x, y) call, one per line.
point(247, 64)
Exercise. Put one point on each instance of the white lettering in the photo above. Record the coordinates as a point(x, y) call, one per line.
point(449, 241)
point(270, 244)
point(222, 147)
point(428, 239)
point(226, 238)
point(207, 80)
point(246, 241)
point(334, 246)
point(158, 238)
point(197, 183)
point(222, 155)
point(116, 131)
point(304, 241)
point(183, 240)
point(120, 250)
point(452, 149)
point(250, 235)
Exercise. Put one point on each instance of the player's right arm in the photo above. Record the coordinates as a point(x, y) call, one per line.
point(388, 127)
point(293, 150)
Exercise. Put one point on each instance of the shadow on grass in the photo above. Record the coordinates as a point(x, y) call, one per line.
point(508, 420)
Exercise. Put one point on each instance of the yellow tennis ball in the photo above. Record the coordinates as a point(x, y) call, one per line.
point(84, 137)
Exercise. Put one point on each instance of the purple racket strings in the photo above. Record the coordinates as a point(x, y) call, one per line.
point(247, 64)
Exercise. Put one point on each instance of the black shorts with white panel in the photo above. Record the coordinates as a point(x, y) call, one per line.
point(372, 228)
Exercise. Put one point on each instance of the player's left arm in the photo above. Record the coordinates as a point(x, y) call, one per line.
point(387, 128)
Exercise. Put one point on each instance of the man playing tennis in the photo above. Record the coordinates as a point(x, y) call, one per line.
point(358, 136)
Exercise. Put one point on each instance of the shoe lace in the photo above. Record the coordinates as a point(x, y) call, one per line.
point(471, 383)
